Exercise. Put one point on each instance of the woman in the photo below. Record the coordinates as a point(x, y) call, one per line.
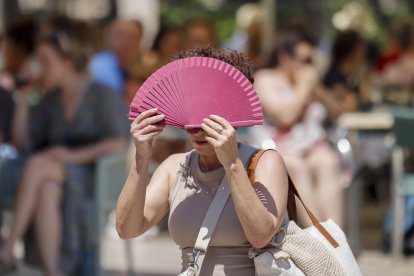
point(185, 184)
point(344, 78)
point(296, 105)
point(74, 124)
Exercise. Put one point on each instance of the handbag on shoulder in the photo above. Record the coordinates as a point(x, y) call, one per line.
point(321, 249)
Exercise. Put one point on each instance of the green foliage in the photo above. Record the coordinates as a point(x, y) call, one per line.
point(225, 27)
point(177, 13)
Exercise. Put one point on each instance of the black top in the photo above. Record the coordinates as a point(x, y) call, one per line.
point(6, 114)
point(334, 77)
point(100, 115)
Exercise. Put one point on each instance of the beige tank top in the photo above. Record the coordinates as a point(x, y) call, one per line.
point(189, 200)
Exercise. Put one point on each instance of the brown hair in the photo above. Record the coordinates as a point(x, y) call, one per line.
point(70, 42)
point(234, 58)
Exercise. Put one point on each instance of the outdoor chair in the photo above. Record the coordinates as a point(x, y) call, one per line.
point(110, 177)
point(403, 182)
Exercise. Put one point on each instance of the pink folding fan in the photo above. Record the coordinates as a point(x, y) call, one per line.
point(188, 90)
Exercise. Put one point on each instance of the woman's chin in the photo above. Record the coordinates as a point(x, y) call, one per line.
point(203, 147)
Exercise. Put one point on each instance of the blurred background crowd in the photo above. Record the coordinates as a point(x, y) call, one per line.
point(335, 78)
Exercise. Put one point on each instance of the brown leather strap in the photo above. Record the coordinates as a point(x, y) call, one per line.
point(291, 204)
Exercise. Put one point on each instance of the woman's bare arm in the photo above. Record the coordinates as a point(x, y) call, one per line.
point(284, 113)
point(143, 202)
point(260, 218)
point(281, 111)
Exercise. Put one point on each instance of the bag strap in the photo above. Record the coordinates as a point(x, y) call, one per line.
point(216, 207)
point(291, 203)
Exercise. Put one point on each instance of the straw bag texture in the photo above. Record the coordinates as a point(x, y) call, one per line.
point(321, 249)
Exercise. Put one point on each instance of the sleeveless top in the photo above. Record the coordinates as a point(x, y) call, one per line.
point(189, 200)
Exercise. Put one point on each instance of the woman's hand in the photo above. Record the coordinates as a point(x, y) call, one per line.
point(144, 129)
point(222, 136)
point(306, 78)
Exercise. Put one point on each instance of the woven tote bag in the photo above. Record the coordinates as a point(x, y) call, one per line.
point(321, 249)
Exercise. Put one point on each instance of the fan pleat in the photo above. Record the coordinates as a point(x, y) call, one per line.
point(175, 96)
point(189, 90)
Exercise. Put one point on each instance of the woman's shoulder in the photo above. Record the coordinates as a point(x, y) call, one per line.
point(271, 159)
point(173, 163)
point(266, 74)
point(268, 80)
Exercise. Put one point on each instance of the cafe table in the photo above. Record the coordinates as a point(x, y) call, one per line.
point(356, 123)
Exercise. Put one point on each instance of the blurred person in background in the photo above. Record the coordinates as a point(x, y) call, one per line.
point(200, 32)
point(19, 69)
point(167, 43)
point(75, 124)
point(254, 40)
point(344, 77)
point(393, 48)
point(296, 105)
point(113, 66)
point(17, 49)
point(401, 72)
point(246, 37)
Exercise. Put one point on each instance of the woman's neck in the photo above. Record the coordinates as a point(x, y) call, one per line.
point(209, 162)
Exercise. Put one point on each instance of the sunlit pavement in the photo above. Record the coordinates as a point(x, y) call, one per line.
point(159, 256)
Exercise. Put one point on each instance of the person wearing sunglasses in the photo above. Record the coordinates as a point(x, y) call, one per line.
point(296, 105)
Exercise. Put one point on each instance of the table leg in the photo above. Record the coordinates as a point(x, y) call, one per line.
point(399, 203)
point(353, 204)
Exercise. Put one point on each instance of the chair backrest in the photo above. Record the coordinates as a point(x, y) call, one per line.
point(403, 128)
point(110, 175)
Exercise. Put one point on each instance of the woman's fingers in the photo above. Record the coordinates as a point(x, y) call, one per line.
point(150, 121)
point(150, 128)
point(221, 121)
point(212, 141)
point(218, 128)
point(154, 134)
point(210, 131)
point(144, 115)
